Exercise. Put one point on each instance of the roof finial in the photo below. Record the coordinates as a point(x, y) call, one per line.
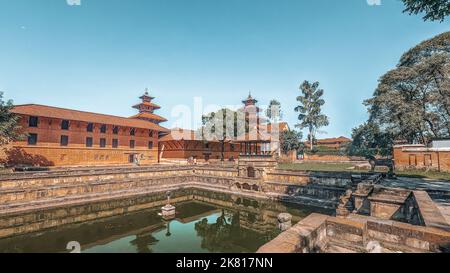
point(146, 91)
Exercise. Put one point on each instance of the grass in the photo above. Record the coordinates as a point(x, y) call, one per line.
point(347, 167)
point(435, 175)
point(318, 167)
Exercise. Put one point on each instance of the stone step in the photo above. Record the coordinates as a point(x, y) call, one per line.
point(332, 248)
point(80, 199)
point(345, 245)
point(9, 197)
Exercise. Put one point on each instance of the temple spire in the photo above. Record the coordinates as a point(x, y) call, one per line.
point(250, 100)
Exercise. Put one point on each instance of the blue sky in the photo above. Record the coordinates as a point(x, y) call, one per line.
point(101, 55)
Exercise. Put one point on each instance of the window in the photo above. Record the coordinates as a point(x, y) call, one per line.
point(132, 144)
point(150, 134)
point(232, 147)
point(150, 145)
point(103, 129)
point(32, 139)
point(33, 121)
point(89, 142)
point(132, 132)
point(64, 140)
point(90, 127)
point(116, 130)
point(102, 142)
point(207, 145)
point(115, 143)
point(65, 125)
point(427, 161)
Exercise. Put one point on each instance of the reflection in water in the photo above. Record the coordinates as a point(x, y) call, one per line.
point(205, 222)
point(227, 235)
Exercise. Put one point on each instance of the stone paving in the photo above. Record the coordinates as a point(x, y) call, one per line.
point(417, 184)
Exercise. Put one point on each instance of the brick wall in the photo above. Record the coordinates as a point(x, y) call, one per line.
point(419, 157)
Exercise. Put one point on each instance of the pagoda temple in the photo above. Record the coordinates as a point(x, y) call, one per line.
point(147, 108)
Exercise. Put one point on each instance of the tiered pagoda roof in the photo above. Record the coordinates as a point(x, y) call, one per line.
point(250, 104)
point(146, 109)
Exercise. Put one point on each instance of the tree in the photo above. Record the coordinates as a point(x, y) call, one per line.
point(310, 109)
point(290, 140)
point(370, 141)
point(273, 112)
point(9, 123)
point(435, 10)
point(222, 125)
point(412, 101)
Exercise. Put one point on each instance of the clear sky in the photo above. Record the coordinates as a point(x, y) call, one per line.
point(100, 56)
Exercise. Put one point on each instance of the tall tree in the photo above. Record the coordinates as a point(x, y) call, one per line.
point(370, 141)
point(273, 111)
point(290, 140)
point(310, 109)
point(9, 126)
point(412, 101)
point(221, 126)
point(435, 10)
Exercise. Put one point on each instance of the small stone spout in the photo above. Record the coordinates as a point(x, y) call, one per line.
point(284, 221)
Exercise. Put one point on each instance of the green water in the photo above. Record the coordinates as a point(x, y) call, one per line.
point(206, 222)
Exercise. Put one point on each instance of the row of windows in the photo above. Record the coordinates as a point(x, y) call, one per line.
point(65, 125)
point(33, 139)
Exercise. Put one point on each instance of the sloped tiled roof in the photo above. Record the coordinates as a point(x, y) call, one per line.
point(68, 114)
point(186, 134)
point(149, 116)
point(146, 103)
point(179, 134)
point(333, 140)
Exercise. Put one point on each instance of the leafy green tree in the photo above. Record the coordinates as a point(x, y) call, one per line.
point(370, 141)
point(435, 10)
point(9, 123)
point(310, 109)
point(273, 112)
point(290, 140)
point(221, 126)
point(412, 101)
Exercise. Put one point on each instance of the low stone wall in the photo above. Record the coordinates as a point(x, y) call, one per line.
point(320, 233)
point(429, 212)
point(309, 235)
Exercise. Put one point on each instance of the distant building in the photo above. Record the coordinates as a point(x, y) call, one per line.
point(417, 156)
point(262, 138)
point(66, 137)
point(185, 144)
point(331, 143)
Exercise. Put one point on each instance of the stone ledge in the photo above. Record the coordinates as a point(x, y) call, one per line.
point(300, 238)
point(429, 211)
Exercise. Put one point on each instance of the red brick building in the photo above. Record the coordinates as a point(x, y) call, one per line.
point(65, 137)
point(436, 157)
point(332, 143)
